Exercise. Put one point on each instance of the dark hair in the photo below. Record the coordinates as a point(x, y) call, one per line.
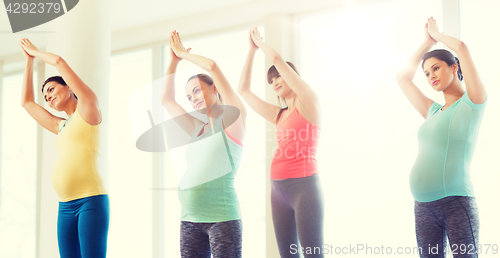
point(57, 79)
point(206, 79)
point(445, 56)
point(272, 73)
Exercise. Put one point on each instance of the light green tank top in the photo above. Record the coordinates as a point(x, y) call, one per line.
point(206, 190)
point(446, 140)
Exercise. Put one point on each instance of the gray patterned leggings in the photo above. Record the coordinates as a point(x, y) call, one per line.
point(454, 218)
point(201, 240)
point(298, 214)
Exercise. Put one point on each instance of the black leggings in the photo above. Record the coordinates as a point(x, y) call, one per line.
point(200, 240)
point(297, 207)
point(454, 218)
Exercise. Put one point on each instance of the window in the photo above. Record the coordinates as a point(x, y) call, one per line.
point(476, 30)
point(129, 168)
point(18, 176)
point(368, 144)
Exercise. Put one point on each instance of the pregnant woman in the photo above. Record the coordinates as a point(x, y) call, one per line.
point(211, 217)
point(445, 207)
point(83, 219)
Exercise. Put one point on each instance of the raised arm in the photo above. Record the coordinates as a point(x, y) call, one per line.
point(263, 108)
point(88, 105)
point(473, 84)
point(226, 91)
point(40, 114)
point(305, 93)
point(405, 77)
point(187, 122)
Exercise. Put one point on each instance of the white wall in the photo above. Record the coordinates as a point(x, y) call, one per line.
point(479, 30)
point(356, 94)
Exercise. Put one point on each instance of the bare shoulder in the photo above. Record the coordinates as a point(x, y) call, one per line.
point(312, 113)
point(91, 115)
point(235, 126)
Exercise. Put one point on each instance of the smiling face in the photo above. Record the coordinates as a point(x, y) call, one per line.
point(280, 86)
point(439, 74)
point(278, 83)
point(56, 95)
point(201, 95)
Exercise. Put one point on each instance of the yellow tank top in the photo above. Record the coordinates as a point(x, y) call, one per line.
point(76, 172)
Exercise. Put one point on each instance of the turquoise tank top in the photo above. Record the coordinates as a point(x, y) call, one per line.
point(206, 190)
point(446, 141)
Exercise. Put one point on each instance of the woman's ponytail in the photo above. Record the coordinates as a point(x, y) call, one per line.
point(459, 71)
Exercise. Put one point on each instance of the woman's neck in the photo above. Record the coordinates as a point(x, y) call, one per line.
point(214, 111)
point(453, 93)
point(70, 107)
point(291, 101)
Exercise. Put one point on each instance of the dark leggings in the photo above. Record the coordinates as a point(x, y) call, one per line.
point(297, 207)
point(201, 240)
point(454, 218)
point(82, 227)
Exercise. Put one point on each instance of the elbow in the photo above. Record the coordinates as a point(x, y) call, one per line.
point(275, 57)
point(24, 103)
point(399, 78)
point(164, 101)
point(403, 77)
point(242, 93)
point(402, 80)
point(461, 47)
point(165, 104)
point(58, 61)
point(212, 65)
point(167, 97)
point(167, 101)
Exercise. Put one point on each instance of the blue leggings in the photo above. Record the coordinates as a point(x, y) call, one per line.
point(82, 227)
